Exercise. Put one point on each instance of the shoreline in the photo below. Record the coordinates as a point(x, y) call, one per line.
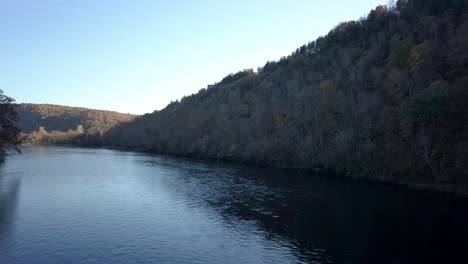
point(416, 185)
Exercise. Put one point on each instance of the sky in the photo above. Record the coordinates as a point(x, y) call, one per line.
point(136, 56)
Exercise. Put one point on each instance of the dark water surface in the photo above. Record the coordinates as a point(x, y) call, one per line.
point(74, 205)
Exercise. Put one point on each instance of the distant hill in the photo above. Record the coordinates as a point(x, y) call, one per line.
point(383, 97)
point(46, 123)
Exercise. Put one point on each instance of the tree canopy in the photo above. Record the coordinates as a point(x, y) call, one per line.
point(9, 133)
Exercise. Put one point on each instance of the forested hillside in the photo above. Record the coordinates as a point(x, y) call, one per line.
point(56, 124)
point(382, 97)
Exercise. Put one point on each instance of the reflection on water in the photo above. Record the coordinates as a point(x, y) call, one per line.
point(330, 220)
point(103, 206)
point(9, 187)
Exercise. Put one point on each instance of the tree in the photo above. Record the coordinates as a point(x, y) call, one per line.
point(437, 119)
point(9, 133)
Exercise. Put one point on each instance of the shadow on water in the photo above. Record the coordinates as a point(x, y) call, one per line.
point(330, 219)
point(9, 189)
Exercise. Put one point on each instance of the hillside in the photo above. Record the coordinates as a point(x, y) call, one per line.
point(382, 97)
point(45, 123)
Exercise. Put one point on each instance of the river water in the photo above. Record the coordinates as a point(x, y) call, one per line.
point(81, 205)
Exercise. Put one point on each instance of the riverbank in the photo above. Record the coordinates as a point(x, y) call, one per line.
point(445, 187)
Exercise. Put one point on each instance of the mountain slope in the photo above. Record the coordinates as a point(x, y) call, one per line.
point(45, 123)
point(383, 97)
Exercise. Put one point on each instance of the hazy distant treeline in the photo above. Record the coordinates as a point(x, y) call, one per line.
point(56, 124)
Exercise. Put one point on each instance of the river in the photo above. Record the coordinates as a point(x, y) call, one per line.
point(83, 205)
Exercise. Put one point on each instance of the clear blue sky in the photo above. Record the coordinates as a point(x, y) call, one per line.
point(135, 56)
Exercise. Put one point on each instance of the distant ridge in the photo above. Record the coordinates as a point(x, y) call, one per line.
point(47, 123)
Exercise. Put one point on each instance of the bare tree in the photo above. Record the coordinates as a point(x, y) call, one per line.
point(425, 142)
